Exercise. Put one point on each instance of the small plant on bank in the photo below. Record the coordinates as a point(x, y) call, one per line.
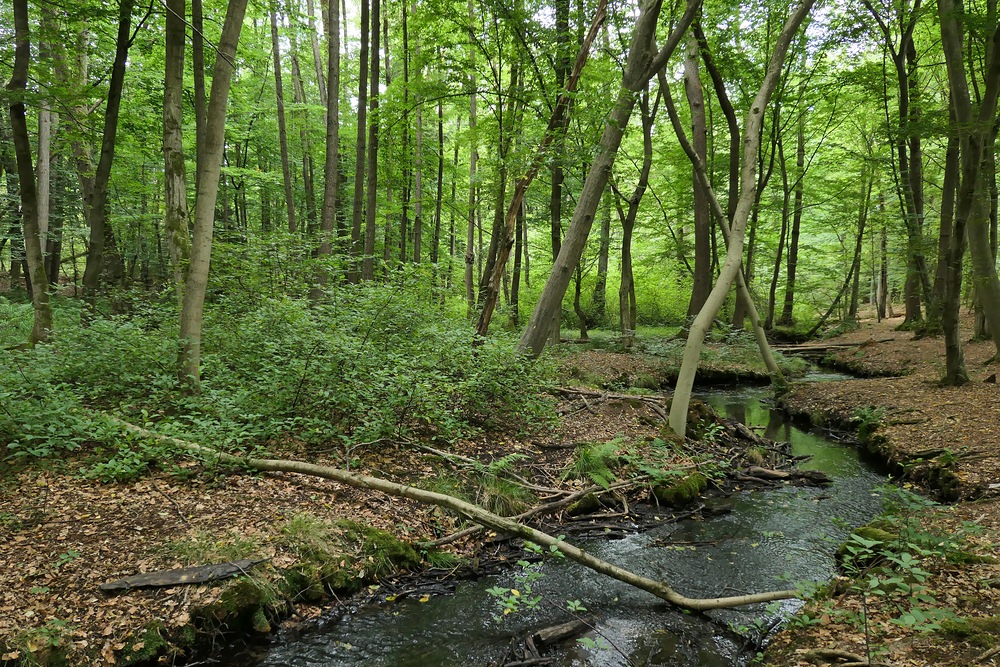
point(596, 462)
point(868, 420)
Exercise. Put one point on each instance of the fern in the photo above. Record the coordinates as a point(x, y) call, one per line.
point(595, 462)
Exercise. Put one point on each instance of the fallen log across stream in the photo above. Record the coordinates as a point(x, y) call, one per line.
point(473, 512)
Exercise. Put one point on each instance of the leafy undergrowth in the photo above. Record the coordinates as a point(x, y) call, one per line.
point(78, 517)
point(353, 372)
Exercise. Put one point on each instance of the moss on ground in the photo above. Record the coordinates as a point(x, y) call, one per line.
point(682, 492)
point(981, 632)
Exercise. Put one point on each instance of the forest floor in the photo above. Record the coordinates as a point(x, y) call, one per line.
point(945, 442)
point(64, 535)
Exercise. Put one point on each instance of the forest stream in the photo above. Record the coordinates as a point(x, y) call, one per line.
point(756, 541)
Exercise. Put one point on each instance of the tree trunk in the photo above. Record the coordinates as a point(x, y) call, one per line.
point(192, 310)
point(175, 204)
point(368, 263)
point(44, 174)
point(949, 189)
point(787, 318)
point(732, 265)
point(786, 194)
point(439, 190)
point(286, 169)
point(16, 89)
point(97, 207)
point(331, 167)
point(600, 298)
point(562, 65)
point(702, 223)
point(581, 316)
point(639, 68)
point(556, 125)
point(515, 288)
point(317, 57)
point(200, 96)
point(867, 182)
point(977, 137)
point(358, 210)
point(418, 174)
point(470, 239)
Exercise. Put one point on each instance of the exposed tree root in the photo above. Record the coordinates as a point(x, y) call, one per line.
point(475, 513)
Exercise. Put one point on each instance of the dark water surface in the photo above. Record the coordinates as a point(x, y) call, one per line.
point(769, 540)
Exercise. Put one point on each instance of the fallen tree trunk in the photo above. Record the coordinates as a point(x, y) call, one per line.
point(473, 512)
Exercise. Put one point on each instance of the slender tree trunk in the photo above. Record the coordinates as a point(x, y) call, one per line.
point(600, 298)
point(949, 189)
point(559, 153)
point(404, 220)
point(200, 95)
point(418, 159)
point(317, 57)
point(97, 207)
point(44, 173)
point(639, 68)
point(368, 263)
point(883, 306)
point(786, 318)
point(175, 204)
point(731, 268)
point(982, 322)
point(470, 239)
point(785, 205)
point(702, 223)
point(16, 88)
point(358, 210)
point(867, 183)
point(286, 169)
point(439, 196)
point(975, 129)
point(515, 288)
point(192, 310)
point(331, 167)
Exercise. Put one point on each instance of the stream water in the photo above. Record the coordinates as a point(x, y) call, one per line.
point(769, 539)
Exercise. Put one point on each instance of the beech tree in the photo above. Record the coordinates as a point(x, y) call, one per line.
point(732, 267)
point(209, 171)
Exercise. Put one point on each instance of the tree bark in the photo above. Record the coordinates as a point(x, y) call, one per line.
point(732, 265)
point(97, 207)
point(702, 223)
point(556, 126)
point(286, 169)
point(331, 167)
point(316, 53)
point(209, 168)
point(600, 297)
point(368, 263)
point(976, 135)
point(175, 204)
point(358, 210)
point(16, 89)
point(470, 238)
point(786, 318)
point(640, 66)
